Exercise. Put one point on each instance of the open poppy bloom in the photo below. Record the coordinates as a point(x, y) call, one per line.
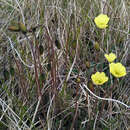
point(101, 21)
point(110, 57)
point(117, 70)
point(99, 78)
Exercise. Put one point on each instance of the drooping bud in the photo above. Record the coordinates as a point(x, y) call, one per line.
point(97, 46)
point(49, 66)
point(57, 43)
point(87, 64)
point(14, 28)
point(42, 77)
point(22, 27)
point(6, 74)
point(78, 80)
point(12, 71)
point(90, 86)
point(73, 44)
point(41, 49)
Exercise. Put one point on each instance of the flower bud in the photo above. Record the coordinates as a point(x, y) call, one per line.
point(57, 43)
point(87, 64)
point(41, 49)
point(90, 85)
point(96, 46)
point(23, 28)
point(14, 28)
point(6, 74)
point(42, 77)
point(78, 80)
point(73, 44)
point(12, 71)
point(49, 66)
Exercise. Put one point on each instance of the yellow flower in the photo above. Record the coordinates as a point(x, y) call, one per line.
point(101, 21)
point(110, 57)
point(99, 78)
point(117, 70)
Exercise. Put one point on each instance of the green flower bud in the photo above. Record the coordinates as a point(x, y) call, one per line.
point(78, 80)
point(12, 71)
point(41, 49)
point(49, 66)
point(23, 28)
point(74, 44)
point(57, 43)
point(87, 64)
point(96, 46)
point(6, 74)
point(14, 28)
point(42, 77)
point(90, 85)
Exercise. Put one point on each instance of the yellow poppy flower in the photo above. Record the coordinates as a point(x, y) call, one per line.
point(110, 57)
point(101, 21)
point(117, 70)
point(99, 78)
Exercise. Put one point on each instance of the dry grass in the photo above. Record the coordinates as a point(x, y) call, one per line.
point(44, 72)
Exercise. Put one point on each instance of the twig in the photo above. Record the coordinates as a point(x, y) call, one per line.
point(106, 99)
point(9, 108)
point(9, 4)
point(95, 121)
point(21, 12)
point(34, 116)
point(76, 108)
point(35, 65)
point(11, 44)
point(68, 76)
point(3, 114)
point(120, 31)
point(48, 112)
